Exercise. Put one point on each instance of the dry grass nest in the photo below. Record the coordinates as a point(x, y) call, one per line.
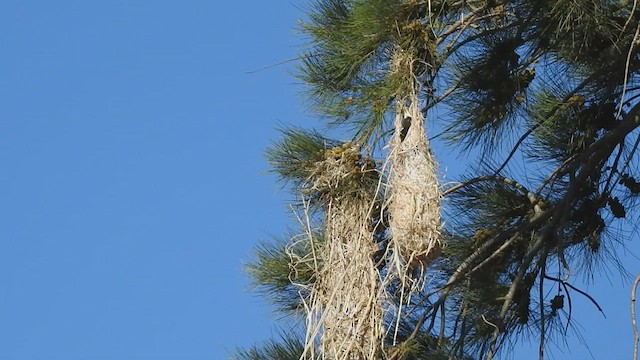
point(345, 317)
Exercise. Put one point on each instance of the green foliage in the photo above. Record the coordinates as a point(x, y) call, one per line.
point(555, 84)
point(293, 158)
point(568, 124)
point(348, 67)
point(290, 347)
point(492, 86)
point(280, 268)
point(497, 204)
point(344, 66)
point(585, 33)
point(320, 167)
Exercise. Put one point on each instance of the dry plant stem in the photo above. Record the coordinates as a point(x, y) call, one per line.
point(348, 291)
point(460, 26)
point(468, 262)
point(627, 64)
point(496, 253)
point(636, 336)
point(350, 272)
point(633, 10)
point(428, 314)
point(457, 187)
point(557, 214)
point(461, 312)
point(433, 103)
point(344, 314)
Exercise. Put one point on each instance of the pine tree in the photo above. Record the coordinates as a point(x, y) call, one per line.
point(381, 269)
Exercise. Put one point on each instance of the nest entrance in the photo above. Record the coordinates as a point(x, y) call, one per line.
point(345, 314)
point(414, 192)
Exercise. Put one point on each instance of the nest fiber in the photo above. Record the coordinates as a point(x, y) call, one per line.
point(345, 313)
point(414, 204)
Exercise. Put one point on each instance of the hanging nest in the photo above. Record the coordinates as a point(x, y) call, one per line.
point(414, 201)
point(345, 311)
point(342, 173)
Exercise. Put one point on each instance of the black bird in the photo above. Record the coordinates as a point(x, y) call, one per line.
point(406, 124)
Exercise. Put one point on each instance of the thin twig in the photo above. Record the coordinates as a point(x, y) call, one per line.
point(536, 126)
point(566, 291)
point(614, 169)
point(636, 336)
point(396, 353)
point(495, 178)
point(542, 324)
point(460, 342)
point(564, 282)
point(623, 168)
point(306, 56)
point(628, 64)
point(551, 178)
point(442, 325)
point(463, 268)
point(496, 253)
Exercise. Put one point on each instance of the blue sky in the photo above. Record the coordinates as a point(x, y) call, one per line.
point(133, 185)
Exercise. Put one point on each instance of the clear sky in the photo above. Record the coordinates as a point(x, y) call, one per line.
point(133, 185)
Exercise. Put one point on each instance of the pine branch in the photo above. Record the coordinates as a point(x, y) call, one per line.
point(565, 283)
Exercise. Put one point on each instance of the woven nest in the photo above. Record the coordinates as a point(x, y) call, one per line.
point(343, 172)
point(345, 311)
point(414, 207)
